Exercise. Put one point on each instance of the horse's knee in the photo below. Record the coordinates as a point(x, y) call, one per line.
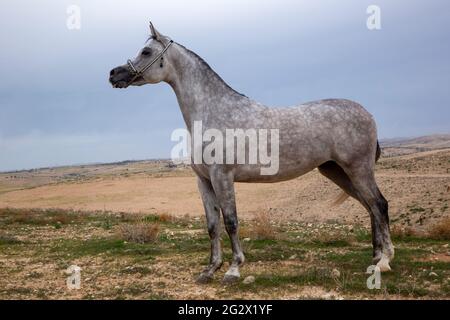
point(231, 223)
point(213, 229)
point(213, 220)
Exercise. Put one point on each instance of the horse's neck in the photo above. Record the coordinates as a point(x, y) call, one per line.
point(199, 90)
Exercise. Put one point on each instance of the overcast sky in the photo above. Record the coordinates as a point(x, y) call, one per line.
point(57, 107)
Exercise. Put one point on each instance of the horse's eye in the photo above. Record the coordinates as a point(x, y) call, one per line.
point(146, 52)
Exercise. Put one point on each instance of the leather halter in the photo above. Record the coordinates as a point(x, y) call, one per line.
point(137, 73)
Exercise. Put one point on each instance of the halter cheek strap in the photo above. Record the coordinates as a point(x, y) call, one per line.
point(136, 72)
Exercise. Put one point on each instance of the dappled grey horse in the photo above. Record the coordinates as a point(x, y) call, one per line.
point(337, 136)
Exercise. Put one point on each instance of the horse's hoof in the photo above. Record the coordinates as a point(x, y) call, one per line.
point(230, 279)
point(204, 278)
point(383, 264)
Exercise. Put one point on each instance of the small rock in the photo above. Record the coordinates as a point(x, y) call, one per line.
point(247, 239)
point(433, 274)
point(248, 280)
point(293, 257)
point(327, 296)
point(335, 273)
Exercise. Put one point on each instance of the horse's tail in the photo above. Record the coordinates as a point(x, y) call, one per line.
point(378, 152)
point(343, 196)
point(340, 199)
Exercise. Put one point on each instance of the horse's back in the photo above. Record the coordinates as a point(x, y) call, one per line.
point(330, 129)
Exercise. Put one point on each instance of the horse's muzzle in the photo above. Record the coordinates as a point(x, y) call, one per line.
point(120, 77)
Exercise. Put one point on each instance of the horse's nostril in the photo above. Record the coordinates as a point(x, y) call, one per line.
point(111, 73)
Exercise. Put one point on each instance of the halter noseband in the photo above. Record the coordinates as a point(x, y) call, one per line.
point(137, 72)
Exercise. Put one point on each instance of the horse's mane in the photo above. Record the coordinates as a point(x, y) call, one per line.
point(207, 67)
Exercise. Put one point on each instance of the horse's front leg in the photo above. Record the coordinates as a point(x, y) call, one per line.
point(212, 210)
point(223, 184)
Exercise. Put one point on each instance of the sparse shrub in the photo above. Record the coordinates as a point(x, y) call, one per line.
point(128, 217)
point(165, 217)
point(7, 240)
point(162, 217)
point(260, 228)
point(440, 230)
point(399, 232)
point(332, 239)
point(245, 231)
point(139, 232)
point(107, 223)
point(57, 225)
point(263, 229)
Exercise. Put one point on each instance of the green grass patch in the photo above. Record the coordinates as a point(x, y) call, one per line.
point(40, 217)
point(107, 246)
point(414, 273)
point(335, 243)
point(6, 240)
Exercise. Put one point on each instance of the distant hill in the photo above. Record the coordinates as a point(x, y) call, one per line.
point(401, 146)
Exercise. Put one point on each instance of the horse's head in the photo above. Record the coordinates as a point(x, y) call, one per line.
point(149, 66)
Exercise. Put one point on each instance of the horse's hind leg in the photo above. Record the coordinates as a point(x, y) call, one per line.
point(212, 210)
point(366, 189)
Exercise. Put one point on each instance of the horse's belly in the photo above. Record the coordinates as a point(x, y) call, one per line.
point(285, 171)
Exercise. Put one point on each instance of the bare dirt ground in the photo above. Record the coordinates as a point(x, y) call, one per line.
point(309, 239)
point(308, 198)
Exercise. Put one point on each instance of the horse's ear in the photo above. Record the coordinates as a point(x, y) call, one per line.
point(155, 34)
